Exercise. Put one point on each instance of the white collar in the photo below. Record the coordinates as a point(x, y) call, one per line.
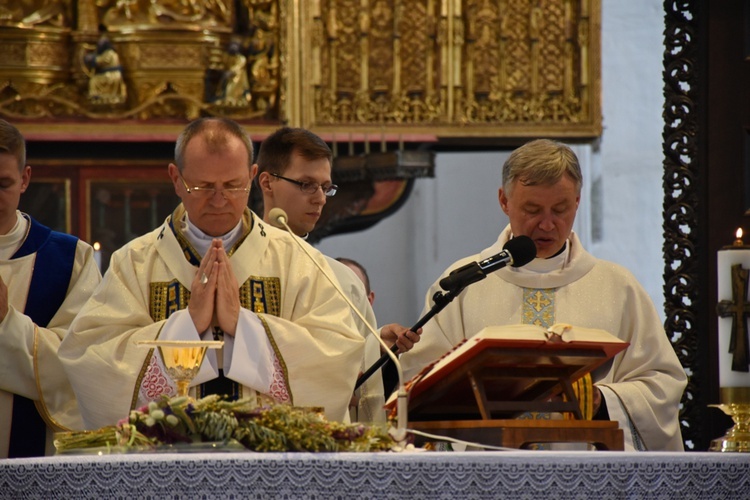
point(202, 241)
point(550, 264)
point(12, 240)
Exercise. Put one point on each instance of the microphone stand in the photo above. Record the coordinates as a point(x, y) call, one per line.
point(441, 300)
point(398, 434)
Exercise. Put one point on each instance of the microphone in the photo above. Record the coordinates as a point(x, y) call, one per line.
point(517, 252)
point(279, 218)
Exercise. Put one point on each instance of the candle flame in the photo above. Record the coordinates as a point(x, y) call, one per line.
point(739, 233)
point(97, 246)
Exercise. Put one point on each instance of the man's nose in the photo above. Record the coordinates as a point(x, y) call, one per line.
point(219, 197)
point(547, 223)
point(319, 198)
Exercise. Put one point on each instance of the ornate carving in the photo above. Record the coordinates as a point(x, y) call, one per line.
point(474, 62)
point(684, 299)
point(32, 13)
point(498, 67)
point(106, 85)
point(120, 15)
point(171, 55)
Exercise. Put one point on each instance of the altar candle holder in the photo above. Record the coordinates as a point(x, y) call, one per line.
point(733, 264)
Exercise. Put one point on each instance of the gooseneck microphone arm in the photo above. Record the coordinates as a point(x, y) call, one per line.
point(441, 300)
point(516, 252)
point(279, 216)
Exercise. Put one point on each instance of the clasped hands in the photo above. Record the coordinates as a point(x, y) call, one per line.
point(214, 296)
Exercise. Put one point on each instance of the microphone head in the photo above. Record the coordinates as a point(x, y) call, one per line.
point(278, 217)
point(522, 249)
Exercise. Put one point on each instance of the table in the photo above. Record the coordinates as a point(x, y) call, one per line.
point(430, 475)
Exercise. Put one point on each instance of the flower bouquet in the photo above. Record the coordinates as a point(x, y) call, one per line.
point(181, 421)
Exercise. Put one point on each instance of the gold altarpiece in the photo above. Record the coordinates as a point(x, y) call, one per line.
point(430, 68)
point(114, 76)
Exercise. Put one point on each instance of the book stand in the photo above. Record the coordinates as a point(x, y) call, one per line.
point(481, 396)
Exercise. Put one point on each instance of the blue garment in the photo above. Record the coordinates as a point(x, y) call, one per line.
point(53, 267)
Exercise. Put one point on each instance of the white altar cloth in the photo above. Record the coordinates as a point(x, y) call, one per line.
point(429, 475)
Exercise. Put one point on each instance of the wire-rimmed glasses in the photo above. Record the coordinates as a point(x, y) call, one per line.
point(310, 187)
point(209, 192)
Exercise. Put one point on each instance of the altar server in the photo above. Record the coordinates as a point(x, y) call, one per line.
point(214, 270)
point(540, 193)
point(45, 278)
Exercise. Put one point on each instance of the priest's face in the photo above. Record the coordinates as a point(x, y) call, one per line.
point(303, 209)
point(222, 177)
point(13, 182)
point(544, 213)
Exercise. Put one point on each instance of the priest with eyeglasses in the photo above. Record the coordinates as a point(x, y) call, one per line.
point(214, 270)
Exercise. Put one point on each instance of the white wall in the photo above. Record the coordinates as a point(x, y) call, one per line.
point(631, 147)
point(457, 213)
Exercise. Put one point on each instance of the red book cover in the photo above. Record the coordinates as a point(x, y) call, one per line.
point(514, 362)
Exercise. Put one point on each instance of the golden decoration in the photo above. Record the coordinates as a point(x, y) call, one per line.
point(440, 67)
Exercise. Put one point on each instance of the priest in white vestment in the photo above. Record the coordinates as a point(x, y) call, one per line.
point(642, 386)
point(214, 270)
point(294, 174)
point(45, 278)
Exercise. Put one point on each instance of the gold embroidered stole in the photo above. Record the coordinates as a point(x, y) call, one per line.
point(539, 309)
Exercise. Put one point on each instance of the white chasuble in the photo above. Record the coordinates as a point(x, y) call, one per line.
point(642, 385)
point(295, 342)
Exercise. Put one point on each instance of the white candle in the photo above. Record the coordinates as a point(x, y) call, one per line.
point(98, 255)
point(728, 257)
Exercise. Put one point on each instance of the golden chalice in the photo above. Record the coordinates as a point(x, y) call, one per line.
point(182, 358)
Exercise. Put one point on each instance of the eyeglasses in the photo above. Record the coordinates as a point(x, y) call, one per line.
point(209, 192)
point(310, 187)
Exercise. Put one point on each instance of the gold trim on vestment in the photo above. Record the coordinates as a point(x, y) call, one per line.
point(276, 350)
point(166, 298)
point(261, 295)
point(40, 405)
point(142, 374)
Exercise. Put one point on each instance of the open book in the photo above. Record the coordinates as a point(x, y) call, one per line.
point(504, 370)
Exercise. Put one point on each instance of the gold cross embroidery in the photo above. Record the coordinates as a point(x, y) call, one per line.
point(538, 301)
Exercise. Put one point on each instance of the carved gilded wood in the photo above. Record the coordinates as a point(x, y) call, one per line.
point(451, 67)
point(448, 68)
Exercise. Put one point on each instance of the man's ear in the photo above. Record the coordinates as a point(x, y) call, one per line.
point(25, 178)
point(264, 181)
point(503, 199)
point(174, 175)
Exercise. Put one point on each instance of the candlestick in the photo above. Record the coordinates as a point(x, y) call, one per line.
point(98, 255)
point(738, 242)
point(733, 309)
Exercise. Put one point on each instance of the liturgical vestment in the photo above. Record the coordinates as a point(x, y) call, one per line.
point(369, 397)
point(295, 342)
point(49, 276)
point(642, 386)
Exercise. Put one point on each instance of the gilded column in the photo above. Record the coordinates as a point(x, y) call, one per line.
point(364, 46)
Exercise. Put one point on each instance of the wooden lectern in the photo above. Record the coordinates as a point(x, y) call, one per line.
point(476, 391)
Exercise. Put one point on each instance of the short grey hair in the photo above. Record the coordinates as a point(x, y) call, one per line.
point(541, 162)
